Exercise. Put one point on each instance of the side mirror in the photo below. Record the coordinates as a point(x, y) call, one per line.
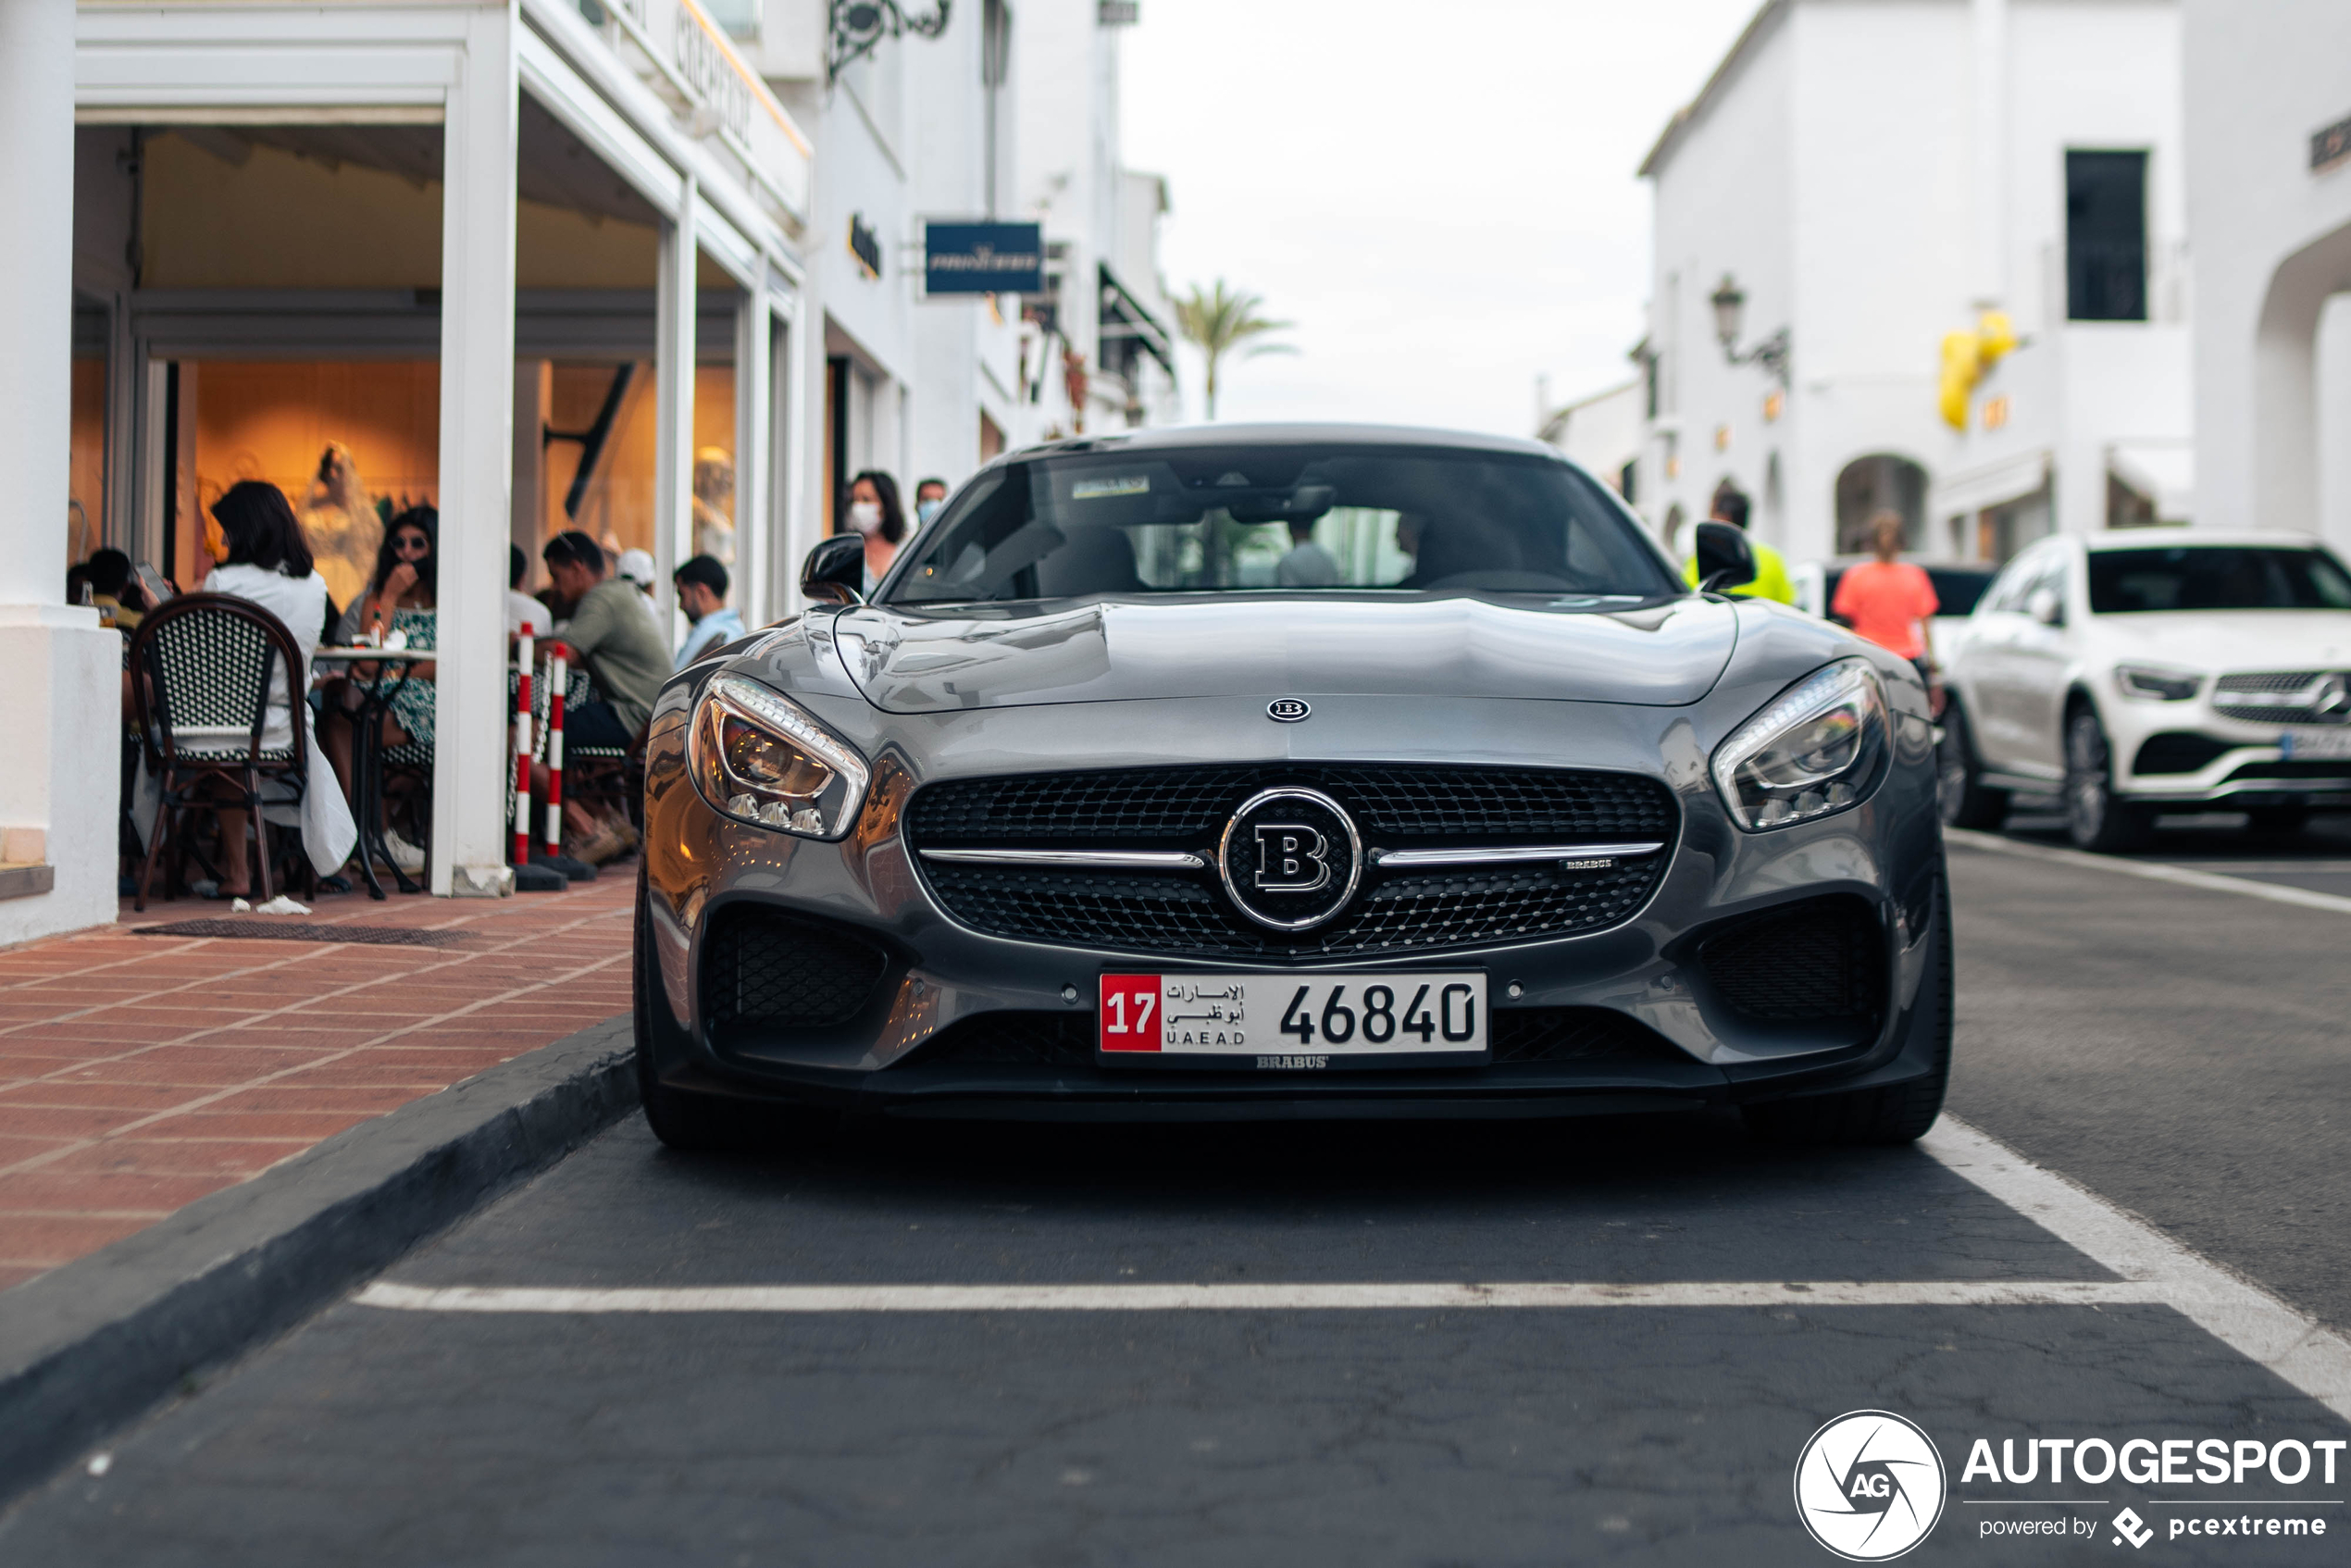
point(2043, 605)
point(1724, 556)
point(835, 571)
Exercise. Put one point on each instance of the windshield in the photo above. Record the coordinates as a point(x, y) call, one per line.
point(1283, 519)
point(2216, 578)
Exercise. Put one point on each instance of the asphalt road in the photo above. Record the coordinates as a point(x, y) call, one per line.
point(2177, 1052)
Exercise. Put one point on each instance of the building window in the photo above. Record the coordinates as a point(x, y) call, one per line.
point(2105, 236)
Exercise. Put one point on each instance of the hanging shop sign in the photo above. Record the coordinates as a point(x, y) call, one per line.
point(865, 246)
point(983, 258)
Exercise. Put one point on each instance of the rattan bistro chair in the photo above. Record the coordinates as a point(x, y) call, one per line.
point(201, 667)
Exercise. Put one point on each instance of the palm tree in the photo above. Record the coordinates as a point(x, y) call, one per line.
point(1223, 320)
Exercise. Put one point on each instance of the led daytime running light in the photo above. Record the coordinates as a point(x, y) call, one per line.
point(1802, 793)
point(782, 722)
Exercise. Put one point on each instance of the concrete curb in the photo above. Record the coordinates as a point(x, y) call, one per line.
point(87, 1347)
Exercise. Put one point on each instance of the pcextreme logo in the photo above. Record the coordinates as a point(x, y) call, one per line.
point(1868, 1486)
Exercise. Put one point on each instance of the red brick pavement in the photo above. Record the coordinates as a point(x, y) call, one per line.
point(139, 1073)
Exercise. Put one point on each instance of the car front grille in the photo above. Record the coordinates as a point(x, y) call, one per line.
point(765, 970)
point(2281, 681)
point(1821, 962)
point(1189, 806)
point(1520, 1035)
point(2267, 697)
point(1395, 807)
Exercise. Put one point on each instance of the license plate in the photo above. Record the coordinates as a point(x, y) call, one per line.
point(1291, 1023)
point(2315, 745)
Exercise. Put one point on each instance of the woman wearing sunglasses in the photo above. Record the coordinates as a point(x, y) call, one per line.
point(400, 599)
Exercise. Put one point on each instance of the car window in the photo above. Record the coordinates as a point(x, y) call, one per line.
point(1956, 589)
point(1334, 518)
point(2009, 590)
point(2216, 578)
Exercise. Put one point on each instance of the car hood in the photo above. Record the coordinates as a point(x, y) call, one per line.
point(1111, 650)
point(2233, 639)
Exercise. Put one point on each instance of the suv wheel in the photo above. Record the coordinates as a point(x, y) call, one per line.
point(1966, 801)
point(2095, 818)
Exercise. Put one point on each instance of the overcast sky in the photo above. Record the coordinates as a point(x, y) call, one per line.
point(1441, 197)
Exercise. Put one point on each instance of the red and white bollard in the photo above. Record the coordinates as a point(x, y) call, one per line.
point(557, 656)
point(522, 754)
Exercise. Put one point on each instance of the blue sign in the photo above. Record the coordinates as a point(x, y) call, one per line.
point(983, 258)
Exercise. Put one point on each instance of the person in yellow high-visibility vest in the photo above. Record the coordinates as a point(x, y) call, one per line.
point(1770, 580)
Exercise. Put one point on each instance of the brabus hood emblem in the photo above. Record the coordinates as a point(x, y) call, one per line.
point(1286, 710)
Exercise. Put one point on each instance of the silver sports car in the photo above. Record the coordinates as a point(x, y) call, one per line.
point(1293, 771)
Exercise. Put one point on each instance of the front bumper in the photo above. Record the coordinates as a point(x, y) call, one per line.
point(1683, 1045)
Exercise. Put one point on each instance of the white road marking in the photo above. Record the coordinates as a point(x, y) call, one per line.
point(2154, 1270)
point(2151, 871)
point(2232, 1309)
point(1351, 1297)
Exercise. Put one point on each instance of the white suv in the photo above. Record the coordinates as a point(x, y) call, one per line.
point(2139, 672)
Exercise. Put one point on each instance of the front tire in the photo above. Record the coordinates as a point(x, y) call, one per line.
point(1965, 800)
point(2095, 818)
point(1896, 1115)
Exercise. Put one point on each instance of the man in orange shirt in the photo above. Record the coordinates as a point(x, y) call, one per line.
point(1889, 600)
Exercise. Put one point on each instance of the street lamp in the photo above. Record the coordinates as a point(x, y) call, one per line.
point(1730, 317)
point(858, 25)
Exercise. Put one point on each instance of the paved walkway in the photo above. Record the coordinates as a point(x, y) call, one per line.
point(140, 1071)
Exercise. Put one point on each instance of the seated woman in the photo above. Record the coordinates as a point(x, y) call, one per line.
point(401, 597)
point(265, 559)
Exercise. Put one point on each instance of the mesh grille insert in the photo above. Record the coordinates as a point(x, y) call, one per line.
point(1140, 914)
point(770, 970)
point(1190, 804)
point(1822, 959)
point(1393, 807)
point(1067, 1039)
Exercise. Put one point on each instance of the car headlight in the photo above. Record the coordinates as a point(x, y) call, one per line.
point(1812, 751)
point(758, 757)
point(2154, 684)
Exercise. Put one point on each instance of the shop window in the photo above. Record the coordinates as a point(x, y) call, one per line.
point(86, 488)
point(2105, 236)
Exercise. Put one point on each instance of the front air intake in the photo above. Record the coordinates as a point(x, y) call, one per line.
point(765, 970)
point(1821, 961)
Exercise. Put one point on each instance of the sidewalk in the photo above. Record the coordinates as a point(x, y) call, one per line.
point(139, 1073)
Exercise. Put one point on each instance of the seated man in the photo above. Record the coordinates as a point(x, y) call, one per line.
point(623, 652)
point(701, 593)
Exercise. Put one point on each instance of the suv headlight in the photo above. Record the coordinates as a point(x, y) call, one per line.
point(758, 757)
point(1812, 749)
point(2155, 684)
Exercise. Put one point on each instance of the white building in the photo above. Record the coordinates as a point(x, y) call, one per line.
point(905, 128)
point(2267, 99)
point(1603, 432)
point(1874, 177)
point(1106, 316)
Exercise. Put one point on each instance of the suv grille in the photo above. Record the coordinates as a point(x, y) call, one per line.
point(1819, 961)
point(771, 971)
point(1520, 1035)
point(2275, 697)
point(1394, 807)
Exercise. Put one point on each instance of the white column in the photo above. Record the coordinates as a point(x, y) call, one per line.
point(58, 795)
point(470, 786)
point(754, 449)
point(802, 482)
point(674, 405)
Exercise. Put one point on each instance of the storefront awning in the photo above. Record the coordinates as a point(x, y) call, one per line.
point(1991, 484)
point(2162, 471)
point(1124, 316)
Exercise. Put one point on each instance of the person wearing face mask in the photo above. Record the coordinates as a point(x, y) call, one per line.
point(930, 496)
point(874, 511)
